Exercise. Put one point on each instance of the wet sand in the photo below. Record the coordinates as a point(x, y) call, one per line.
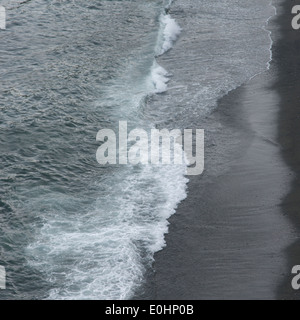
point(236, 235)
point(287, 60)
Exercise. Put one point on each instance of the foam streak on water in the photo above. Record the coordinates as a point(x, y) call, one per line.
point(104, 253)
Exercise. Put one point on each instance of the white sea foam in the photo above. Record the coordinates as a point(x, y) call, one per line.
point(169, 33)
point(159, 78)
point(102, 252)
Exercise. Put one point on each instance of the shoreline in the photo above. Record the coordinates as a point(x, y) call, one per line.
point(229, 238)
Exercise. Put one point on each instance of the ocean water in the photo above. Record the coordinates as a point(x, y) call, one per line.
point(69, 228)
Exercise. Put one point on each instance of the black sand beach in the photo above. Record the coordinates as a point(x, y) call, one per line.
point(286, 56)
point(236, 236)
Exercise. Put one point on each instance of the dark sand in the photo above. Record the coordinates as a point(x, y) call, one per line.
point(287, 59)
point(236, 235)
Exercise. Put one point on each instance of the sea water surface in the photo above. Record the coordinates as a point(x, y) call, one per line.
point(69, 228)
